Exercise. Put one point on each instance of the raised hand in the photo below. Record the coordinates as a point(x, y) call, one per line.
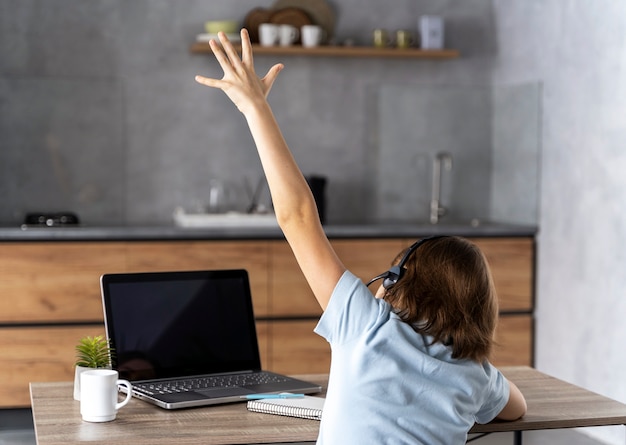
point(240, 82)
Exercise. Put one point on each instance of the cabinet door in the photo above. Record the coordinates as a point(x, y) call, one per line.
point(296, 349)
point(367, 258)
point(514, 341)
point(290, 292)
point(263, 330)
point(197, 255)
point(43, 354)
point(55, 281)
point(511, 261)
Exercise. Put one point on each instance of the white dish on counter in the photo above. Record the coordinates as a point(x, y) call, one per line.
point(205, 37)
point(224, 220)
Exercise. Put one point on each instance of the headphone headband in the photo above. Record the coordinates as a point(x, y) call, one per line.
point(394, 274)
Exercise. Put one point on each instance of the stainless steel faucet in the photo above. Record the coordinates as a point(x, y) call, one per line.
point(442, 161)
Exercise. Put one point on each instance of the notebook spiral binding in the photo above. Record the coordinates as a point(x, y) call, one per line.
point(284, 408)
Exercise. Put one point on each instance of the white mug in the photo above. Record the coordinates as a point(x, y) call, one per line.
point(268, 34)
point(288, 35)
point(98, 395)
point(312, 35)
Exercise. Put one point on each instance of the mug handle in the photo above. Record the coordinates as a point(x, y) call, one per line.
point(129, 393)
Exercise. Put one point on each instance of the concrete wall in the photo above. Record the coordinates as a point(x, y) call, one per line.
point(577, 50)
point(99, 112)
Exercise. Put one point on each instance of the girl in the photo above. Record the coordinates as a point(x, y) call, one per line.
point(409, 366)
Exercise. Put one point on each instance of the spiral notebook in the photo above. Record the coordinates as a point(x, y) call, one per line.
point(307, 407)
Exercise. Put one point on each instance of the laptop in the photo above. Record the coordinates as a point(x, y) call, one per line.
point(188, 339)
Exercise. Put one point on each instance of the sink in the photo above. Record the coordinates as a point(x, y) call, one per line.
point(229, 219)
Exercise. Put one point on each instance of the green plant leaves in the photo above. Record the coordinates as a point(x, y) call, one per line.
point(93, 352)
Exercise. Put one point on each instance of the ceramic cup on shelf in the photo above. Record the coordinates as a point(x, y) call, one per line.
point(381, 38)
point(98, 395)
point(287, 35)
point(268, 34)
point(311, 35)
point(404, 38)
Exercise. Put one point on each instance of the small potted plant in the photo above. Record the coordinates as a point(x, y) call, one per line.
point(91, 352)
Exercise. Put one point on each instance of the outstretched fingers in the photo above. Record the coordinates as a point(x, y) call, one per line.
point(246, 49)
point(228, 59)
point(223, 61)
point(221, 58)
point(270, 77)
point(209, 82)
point(231, 54)
point(239, 82)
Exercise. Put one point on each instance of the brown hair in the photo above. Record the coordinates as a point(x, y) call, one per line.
point(447, 292)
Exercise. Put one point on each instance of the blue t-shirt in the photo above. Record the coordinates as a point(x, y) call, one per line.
point(389, 385)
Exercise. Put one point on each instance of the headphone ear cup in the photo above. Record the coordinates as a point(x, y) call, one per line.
point(393, 275)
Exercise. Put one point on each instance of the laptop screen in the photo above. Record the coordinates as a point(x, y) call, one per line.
point(173, 324)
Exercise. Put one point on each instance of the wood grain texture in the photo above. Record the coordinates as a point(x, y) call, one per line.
point(512, 265)
point(552, 403)
point(264, 332)
point(296, 349)
point(514, 341)
point(291, 294)
point(289, 291)
point(43, 354)
point(198, 255)
point(57, 421)
point(339, 51)
point(367, 258)
point(58, 282)
point(55, 281)
point(511, 261)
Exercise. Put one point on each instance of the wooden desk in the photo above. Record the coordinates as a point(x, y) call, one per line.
point(552, 403)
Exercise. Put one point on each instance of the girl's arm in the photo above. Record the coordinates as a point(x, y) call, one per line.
point(293, 201)
point(515, 407)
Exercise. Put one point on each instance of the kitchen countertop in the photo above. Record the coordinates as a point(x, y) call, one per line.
point(163, 233)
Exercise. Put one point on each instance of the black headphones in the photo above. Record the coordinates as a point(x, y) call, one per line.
point(392, 276)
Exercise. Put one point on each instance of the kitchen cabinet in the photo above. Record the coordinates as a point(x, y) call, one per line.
point(55, 282)
point(511, 261)
point(296, 349)
point(514, 340)
point(50, 297)
point(194, 255)
point(340, 51)
point(291, 295)
point(37, 354)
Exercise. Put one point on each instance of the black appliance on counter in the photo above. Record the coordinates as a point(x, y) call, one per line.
point(318, 188)
point(51, 219)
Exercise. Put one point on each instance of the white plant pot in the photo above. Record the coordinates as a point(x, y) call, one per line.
point(77, 372)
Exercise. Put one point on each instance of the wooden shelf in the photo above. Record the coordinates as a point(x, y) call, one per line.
point(341, 51)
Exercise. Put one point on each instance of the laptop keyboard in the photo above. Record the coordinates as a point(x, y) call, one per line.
point(207, 382)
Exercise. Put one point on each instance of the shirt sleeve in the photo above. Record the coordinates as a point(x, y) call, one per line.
point(352, 310)
point(498, 392)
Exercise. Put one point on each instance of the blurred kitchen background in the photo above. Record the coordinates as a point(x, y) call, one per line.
point(101, 115)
